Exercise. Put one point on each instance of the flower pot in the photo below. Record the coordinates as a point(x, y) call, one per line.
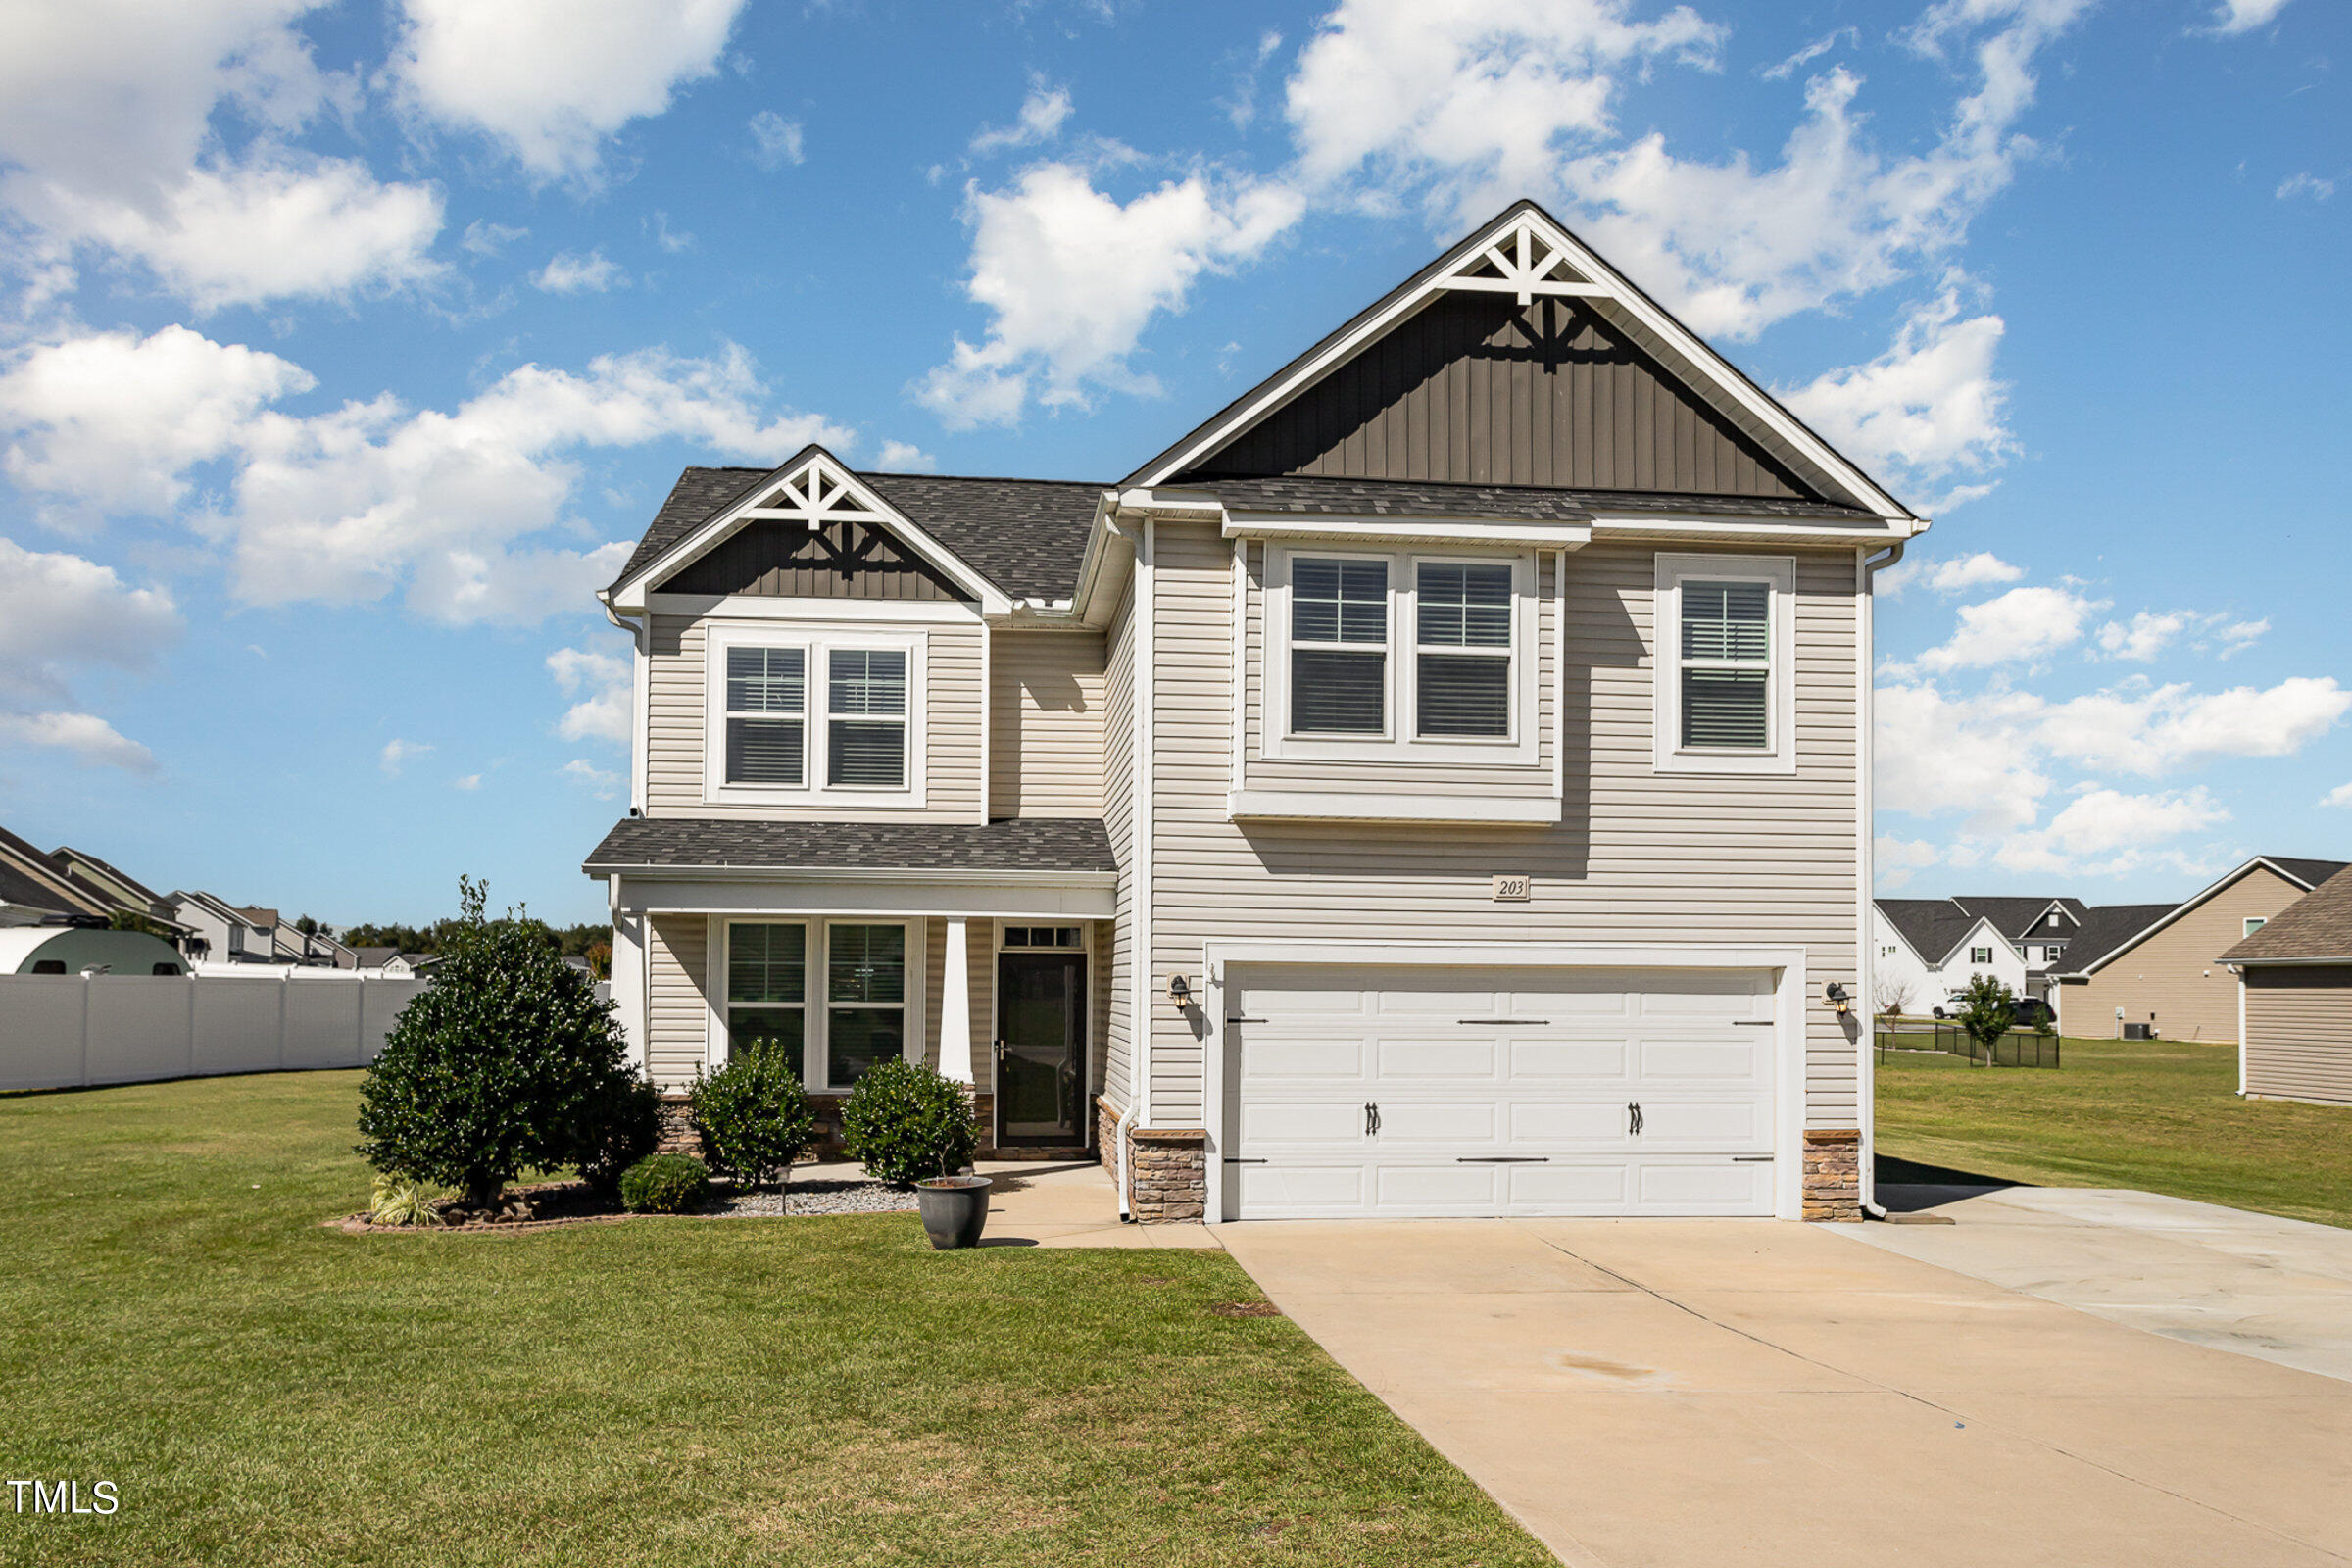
point(954, 1208)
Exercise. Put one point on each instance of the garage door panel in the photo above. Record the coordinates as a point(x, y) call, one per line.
point(1736, 1125)
point(1297, 1191)
point(1663, 1187)
point(1461, 1056)
point(1742, 1061)
point(1438, 1187)
point(1555, 1186)
point(1460, 1125)
point(1301, 1124)
point(1568, 1060)
point(1271, 1059)
point(1585, 1124)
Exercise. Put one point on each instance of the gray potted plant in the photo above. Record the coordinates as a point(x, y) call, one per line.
point(911, 1126)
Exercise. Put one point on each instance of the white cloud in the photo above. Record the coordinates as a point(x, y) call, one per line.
point(85, 737)
point(485, 238)
point(602, 681)
point(351, 504)
point(1971, 758)
point(2148, 634)
point(904, 457)
point(2305, 184)
point(2151, 730)
point(2244, 15)
point(2236, 636)
point(2020, 626)
point(547, 82)
point(469, 781)
point(776, 140)
point(112, 423)
point(58, 611)
point(107, 118)
point(569, 273)
point(1066, 316)
point(602, 783)
point(2106, 832)
point(1895, 861)
point(1848, 37)
point(1041, 118)
point(2341, 795)
point(1958, 575)
point(1927, 406)
point(396, 754)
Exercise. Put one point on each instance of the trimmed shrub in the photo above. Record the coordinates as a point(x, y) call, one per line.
point(620, 1126)
point(666, 1184)
point(505, 1063)
point(906, 1122)
point(754, 1114)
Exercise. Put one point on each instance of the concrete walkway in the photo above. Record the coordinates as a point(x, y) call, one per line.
point(2277, 1289)
point(1713, 1392)
point(1068, 1205)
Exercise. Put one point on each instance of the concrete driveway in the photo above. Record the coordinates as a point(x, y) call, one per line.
point(1714, 1392)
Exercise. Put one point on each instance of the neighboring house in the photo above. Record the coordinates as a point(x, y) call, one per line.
point(119, 889)
point(390, 961)
point(1434, 786)
point(2039, 928)
point(222, 932)
point(288, 944)
point(34, 890)
point(1926, 950)
point(2295, 1036)
point(2162, 965)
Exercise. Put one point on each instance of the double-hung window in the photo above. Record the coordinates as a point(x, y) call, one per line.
point(767, 988)
point(865, 707)
point(1980, 954)
point(766, 697)
point(1339, 646)
point(835, 996)
point(815, 715)
point(865, 998)
point(1463, 651)
point(1725, 651)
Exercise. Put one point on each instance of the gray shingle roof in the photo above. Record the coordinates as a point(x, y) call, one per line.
point(2310, 872)
point(2317, 925)
point(2106, 927)
point(1933, 926)
point(1397, 498)
point(1026, 536)
point(2017, 918)
point(1029, 844)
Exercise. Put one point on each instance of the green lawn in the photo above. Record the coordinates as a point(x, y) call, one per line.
point(2162, 1115)
point(173, 1319)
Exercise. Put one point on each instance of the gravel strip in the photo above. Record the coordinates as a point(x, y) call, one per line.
point(813, 1195)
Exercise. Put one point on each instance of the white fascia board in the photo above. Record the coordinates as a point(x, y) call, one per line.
point(1969, 937)
point(1316, 805)
point(691, 894)
point(762, 606)
point(2288, 963)
point(629, 594)
point(1390, 954)
point(1763, 530)
point(1367, 529)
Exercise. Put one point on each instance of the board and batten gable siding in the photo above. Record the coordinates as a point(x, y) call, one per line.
point(1333, 777)
point(1118, 820)
point(2299, 1031)
point(676, 668)
point(1478, 389)
point(1637, 858)
point(788, 561)
point(1045, 724)
point(2173, 979)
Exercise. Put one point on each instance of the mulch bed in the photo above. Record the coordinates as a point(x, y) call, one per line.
point(546, 1206)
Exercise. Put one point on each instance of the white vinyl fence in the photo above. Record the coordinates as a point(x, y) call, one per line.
point(60, 1031)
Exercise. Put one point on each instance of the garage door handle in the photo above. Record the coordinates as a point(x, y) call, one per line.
point(1502, 1159)
point(1371, 1119)
point(1633, 1117)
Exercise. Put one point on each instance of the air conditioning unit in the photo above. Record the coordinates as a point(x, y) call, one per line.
point(2140, 1031)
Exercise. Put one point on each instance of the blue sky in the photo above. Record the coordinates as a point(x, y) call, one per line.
point(343, 350)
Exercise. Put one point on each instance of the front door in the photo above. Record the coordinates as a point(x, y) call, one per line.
point(1041, 1049)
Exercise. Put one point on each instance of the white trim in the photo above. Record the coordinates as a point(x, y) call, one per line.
point(1609, 289)
point(1398, 742)
point(2241, 1034)
point(988, 727)
point(1141, 1022)
point(1636, 525)
point(1788, 964)
point(2185, 905)
point(762, 606)
point(816, 1005)
point(955, 1000)
point(821, 875)
point(1668, 755)
point(641, 711)
point(1056, 902)
point(862, 505)
point(1560, 677)
point(1239, 675)
point(819, 640)
point(1247, 525)
point(1331, 806)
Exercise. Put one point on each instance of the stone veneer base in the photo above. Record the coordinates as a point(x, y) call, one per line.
point(1833, 1180)
point(1168, 1169)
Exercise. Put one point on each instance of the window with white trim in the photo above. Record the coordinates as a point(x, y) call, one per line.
point(813, 715)
point(1400, 655)
point(865, 713)
point(860, 1015)
point(1980, 954)
point(1726, 645)
point(766, 703)
point(2254, 923)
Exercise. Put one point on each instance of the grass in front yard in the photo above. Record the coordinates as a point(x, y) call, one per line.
point(173, 1319)
point(2162, 1115)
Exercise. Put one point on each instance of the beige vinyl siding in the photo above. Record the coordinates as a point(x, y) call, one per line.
point(1637, 858)
point(677, 1018)
point(1045, 724)
point(2172, 979)
point(1322, 776)
point(1118, 819)
point(2299, 1031)
point(952, 715)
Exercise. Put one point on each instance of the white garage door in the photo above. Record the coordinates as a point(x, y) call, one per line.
point(1398, 1093)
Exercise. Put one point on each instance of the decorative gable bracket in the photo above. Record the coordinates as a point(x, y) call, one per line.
point(1521, 262)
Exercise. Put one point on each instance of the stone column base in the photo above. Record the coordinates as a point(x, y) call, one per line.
point(1167, 1174)
point(1833, 1181)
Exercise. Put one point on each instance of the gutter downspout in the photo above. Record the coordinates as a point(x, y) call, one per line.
point(1866, 569)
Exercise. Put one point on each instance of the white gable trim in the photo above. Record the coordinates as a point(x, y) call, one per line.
point(817, 489)
point(2185, 905)
point(1525, 246)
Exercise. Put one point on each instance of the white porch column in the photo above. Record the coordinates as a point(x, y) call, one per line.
point(955, 1006)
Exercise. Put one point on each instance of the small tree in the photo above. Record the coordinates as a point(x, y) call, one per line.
point(1987, 1011)
point(505, 1061)
point(754, 1114)
point(905, 1121)
point(1893, 994)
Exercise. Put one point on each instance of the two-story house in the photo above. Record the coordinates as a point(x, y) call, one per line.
point(1436, 785)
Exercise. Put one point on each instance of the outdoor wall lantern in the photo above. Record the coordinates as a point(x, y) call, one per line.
point(1180, 991)
point(1836, 995)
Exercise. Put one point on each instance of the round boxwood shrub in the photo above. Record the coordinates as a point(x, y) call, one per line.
point(505, 1063)
point(666, 1184)
point(906, 1122)
point(754, 1114)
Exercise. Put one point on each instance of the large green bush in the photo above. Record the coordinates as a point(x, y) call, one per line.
point(664, 1184)
point(621, 1125)
point(505, 1063)
point(906, 1122)
point(754, 1114)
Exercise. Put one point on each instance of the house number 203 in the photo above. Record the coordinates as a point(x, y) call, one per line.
point(1513, 887)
